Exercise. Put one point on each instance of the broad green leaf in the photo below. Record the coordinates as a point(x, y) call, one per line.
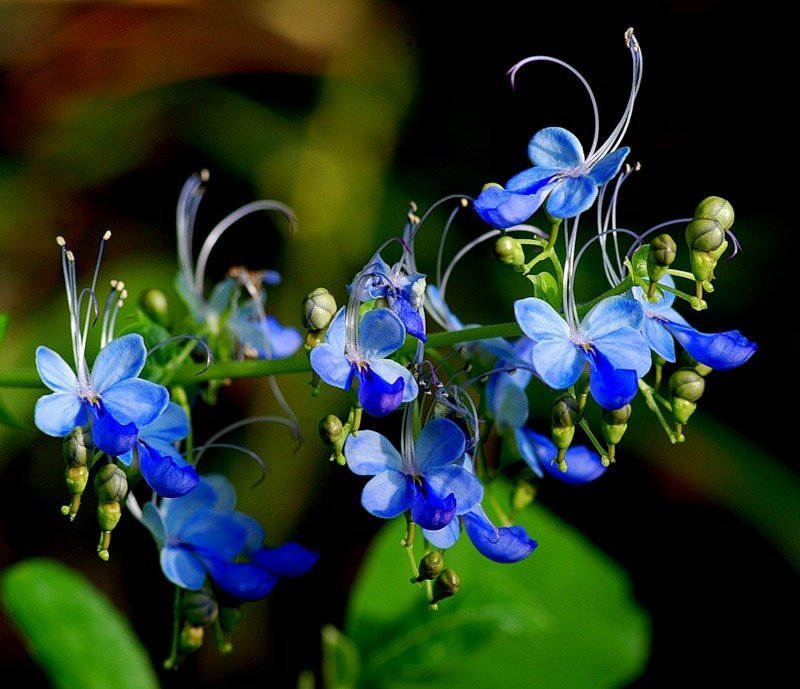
point(73, 631)
point(340, 663)
point(545, 287)
point(565, 617)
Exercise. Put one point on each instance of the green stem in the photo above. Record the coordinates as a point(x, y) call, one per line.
point(174, 660)
point(652, 404)
point(601, 449)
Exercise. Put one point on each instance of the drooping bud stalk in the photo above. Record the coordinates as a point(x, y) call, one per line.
point(430, 567)
point(564, 416)
point(332, 433)
point(155, 305)
point(686, 386)
point(446, 585)
point(659, 258)
point(508, 250)
point(705, 236)
point(77, 458)
point(615, 423)
point(111, 487)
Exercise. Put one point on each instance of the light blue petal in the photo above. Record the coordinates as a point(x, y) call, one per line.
point(610, 315)
point(223, 492)
point(720, 351)
point(214, 534)
point(182, 568)
point(571, 196)
point(443, 538)
point(136, 401)
point(335, 335)
point(212, 492)
point(465, 486)
point(611, 387)
point(533, 452)
point(290, 560)
point(59, 413)
point(505, 545)
point(658, 338)
point(441, 311)
point(172, 425)
point(380, 334)
point(254, 530)
point(559, 363)
point(222, 294)
point(440, 443)
point(55, 372)
point(625, 348)
point(284, 339)
point(503, 209)
point(332, 366)
point(539, 320)
point(370, 453)
point(555, 147)
point(151, 518)
point(664, 299)
point(533, 180)
point(605, 169)
point(506, 401)
point(120, 359)
point(387, 495)
point(390, 371)
point(377, 396)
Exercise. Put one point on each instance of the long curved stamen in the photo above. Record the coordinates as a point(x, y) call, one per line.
point(225, 223)
point(443, 239)
point(512, 73)
point(407, 440)
point(123, 295)
point(618, 230)
point(228, 446)
point(239, 424)
point(609, 221)
point(188, 202)
point(117, 287)
point(352, 349)
point(179, 338)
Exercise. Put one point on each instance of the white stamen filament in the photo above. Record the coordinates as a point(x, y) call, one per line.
point(238, 424)
point(352, 350)
point(188, 203)
point(407, 440)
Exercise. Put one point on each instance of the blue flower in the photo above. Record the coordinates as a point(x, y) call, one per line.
point(426, 479)
point(539, 452)
point(717, 350)
point(201, 534)
point(505, 396)
point(607, 339)
point(162, 466)
point(383, 384)
point(111, 395)
point(266, 339)
point(561, 173)
point(405, 293)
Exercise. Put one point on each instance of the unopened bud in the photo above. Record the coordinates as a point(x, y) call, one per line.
point(331, 432)
point(688, 361)
point(191, 638)
point(446, 585)
point(523, 495)
point(508, 250)
point(75, 450)
point(110, 484)
point(155, 305)
point(318, 309)
point(564, 416)
point(230, 618)
point(718, 209)
point(659, 259)
point(705, 236)
point(686, 386)
point(430, 566)
point(615, 423)
point(199, 608)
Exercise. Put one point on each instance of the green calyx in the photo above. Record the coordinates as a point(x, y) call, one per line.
point(110, 484)
point(686, 386)
point(615, 423)
point(430, 566)
point(199, 608)
point(446, 585)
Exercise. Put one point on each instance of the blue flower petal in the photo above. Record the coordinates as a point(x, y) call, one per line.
point(172, 425)
point(539, 320)
point(111, 436)
point(431, 511)
point(387, 495)
point(437, 306)
point(443, 538)
point(391, 370)
point(457, 481)
point(605, 169)
point(506, 401)
point(212, 492)
point(57, 414)
point(611, 387)
point(720, 351)
point(534, 180)
point(240, 580)
point(559, 363)
point(120, 359)
point(332, 366)
point(164, 475)
point(183, 568)
point(571, 196)
point(583, 464)
point(212, 533)
point(380, 334)
point(625, 348)
point(658, 338)
point(534, 452)
point(377, 396)
point(370, 453)
point(555, 147)
point(664, 299)
point(221, 298)
point(255, 532)
point(284, 340)
point(610, 315)
point(506, 544)
point(152, 519)
point(409, 316)
point(335, 335)
point(503, 209)
point(135, 401)
point(55, 372)
point(289, 560)
point(440, 443)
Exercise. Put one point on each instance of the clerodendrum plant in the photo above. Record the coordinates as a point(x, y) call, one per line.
point(128, 416)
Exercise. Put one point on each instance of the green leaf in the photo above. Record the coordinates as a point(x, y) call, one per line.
point(565, 617)
point(8, 418)
point(78, 637)
point(4, 321)
point(340, 662)
point(545, 287)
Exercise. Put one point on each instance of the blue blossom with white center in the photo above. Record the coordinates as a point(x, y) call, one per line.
point(360, 351)
point(404, 292)
point(662, 323)
point(425, 479)
point(608, 340)
point(561, 174)
point(539, 452)
point(110, 395)
point(201, 535)
point(162, 466)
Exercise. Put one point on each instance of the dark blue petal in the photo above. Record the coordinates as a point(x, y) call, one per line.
point(720, 351)
point(376, 396)
point(504, 209)
point(583, 465)
point(410, 317)
point(290, 560)
point(605, 169)
point(164, 475)
point(429, 510)
point(213, 534)
point(240, 580)
point(506, 544)
point(611, 387)
point(109, 435)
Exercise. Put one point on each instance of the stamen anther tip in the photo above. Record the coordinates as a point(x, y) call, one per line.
point(61, 241)
point(107, 235)
point(70, 255)
point(113, 284)
point(464, 203)
point(204, 175)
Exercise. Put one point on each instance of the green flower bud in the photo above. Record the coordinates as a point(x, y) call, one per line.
point(705, 236)
point(110, 484)
point(314, 338)
point(331, 429)
point(108, 515)
point(564, 412)
point(615, 423)
point(686, 386)
point(718, 209)
point(75, 450)
point(230, 618)
point(688, 361)
point(191, 638)
point(155, 305)
point(430, 566)
point(508, 250)
point(523, 495)
point(659, 259)
point(318, 309)
point(446, 585)
point(199, 608)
